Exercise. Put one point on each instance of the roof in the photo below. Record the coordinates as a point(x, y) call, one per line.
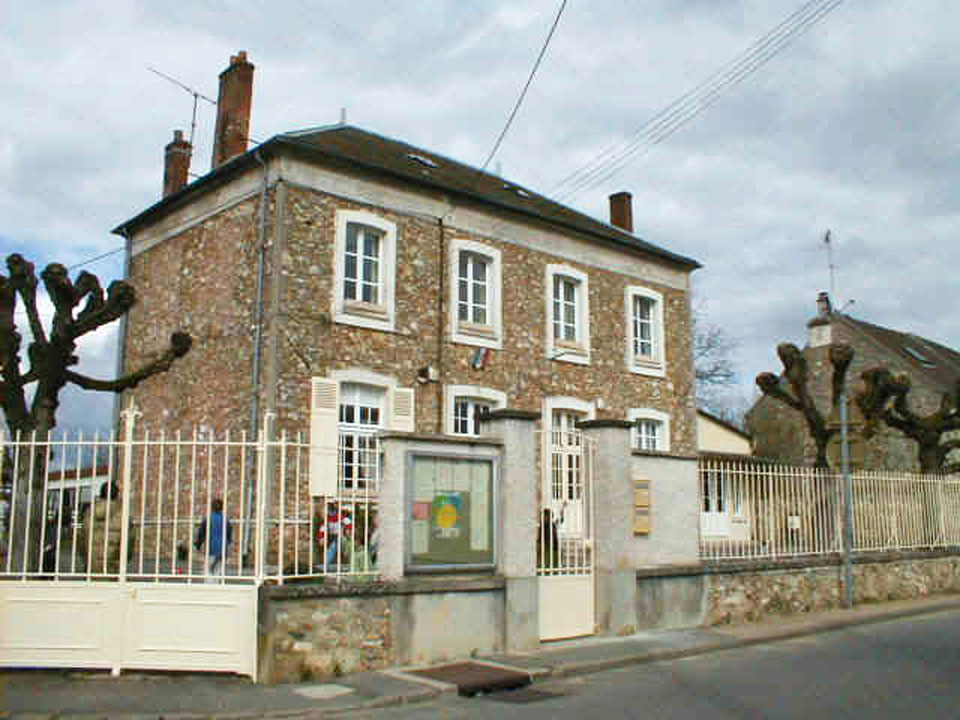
point(724, 423)
point(345, 145)
point(937, 363)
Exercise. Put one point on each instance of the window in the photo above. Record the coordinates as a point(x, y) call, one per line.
point(361, 416)
point(349, 409)
point(564, 309)
point(475, 294)
point(472, 289)
point(361, 272)
point(464, 405)
point(563, 480)
point(365, 270)
point(651, 429)
point(568, 313)
point(644, 320)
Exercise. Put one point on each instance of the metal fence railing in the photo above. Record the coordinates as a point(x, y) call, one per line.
point(184, 507)
point(751, 509)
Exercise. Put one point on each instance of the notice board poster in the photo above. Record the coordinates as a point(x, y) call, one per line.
point(451, 512)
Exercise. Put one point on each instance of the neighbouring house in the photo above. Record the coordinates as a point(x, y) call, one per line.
point(780, 432)
point(723, 513)
point(351, 283)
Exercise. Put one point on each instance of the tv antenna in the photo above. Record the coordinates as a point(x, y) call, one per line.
point(197, 96)
point(830, 266)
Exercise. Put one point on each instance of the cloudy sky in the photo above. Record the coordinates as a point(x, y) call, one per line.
point(851, 127)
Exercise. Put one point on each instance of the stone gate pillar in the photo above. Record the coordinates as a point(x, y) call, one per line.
point(519, 500)
point(615, 561)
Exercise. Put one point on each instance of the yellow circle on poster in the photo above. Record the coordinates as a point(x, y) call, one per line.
point(447, 516)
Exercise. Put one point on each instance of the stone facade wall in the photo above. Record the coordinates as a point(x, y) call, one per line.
point(203, 280)
point(315, 346)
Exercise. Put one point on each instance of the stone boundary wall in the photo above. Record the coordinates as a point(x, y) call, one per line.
point(721, 593)
point(320, 631)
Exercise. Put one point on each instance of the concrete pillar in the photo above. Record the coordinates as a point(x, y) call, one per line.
point(613, 496)
point(519, 500)
point(390, 514)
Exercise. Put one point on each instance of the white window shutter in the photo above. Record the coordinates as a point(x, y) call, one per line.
point(324, 437)
point(403, 410)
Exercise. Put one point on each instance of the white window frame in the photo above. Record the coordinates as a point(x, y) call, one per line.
point(564, 351)
point(375, 316)
point(489, 335)
point(452, 393)
point(655, 364)
point(663, 439)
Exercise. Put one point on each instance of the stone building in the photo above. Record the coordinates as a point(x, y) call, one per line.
point(779, 432)
point(334, 267)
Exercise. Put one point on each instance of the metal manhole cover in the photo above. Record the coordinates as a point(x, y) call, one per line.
point(472, 678)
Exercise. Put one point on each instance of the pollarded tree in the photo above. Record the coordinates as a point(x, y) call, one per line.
point(51, 357)
point(884, 398)
point(796, 373)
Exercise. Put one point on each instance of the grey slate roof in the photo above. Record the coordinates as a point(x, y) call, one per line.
point(351, 147)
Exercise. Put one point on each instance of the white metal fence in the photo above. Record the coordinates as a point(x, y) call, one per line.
point(161, 521)
point(759, 510)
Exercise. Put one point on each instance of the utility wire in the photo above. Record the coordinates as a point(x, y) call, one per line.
point(687, 107)
point(526, 87)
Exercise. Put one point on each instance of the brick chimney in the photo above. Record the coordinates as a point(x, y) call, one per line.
point(621, 211)
point(819, 330)
point(233, 109)
point(176, 164)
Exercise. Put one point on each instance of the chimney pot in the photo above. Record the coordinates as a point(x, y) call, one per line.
point(233, 110)
point(823, 304)
point(176, 164)
point(621, 211)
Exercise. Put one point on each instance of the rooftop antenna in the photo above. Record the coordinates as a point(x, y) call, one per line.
point(830, 266)
point(197, 95)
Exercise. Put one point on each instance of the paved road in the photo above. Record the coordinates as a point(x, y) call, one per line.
point(906, 668)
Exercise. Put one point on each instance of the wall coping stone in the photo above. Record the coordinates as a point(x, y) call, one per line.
point(661, 454)
point(420, 585)
point(448, 439)
point(604, 423)
point(715, 567)
point(510, 414)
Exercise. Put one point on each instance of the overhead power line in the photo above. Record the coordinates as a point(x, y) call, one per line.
point(526, 87)
point(684, 109)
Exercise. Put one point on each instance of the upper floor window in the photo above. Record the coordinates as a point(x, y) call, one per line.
point(568, 315)
point(361, 266)
point(365, 270)
point(651, 429)
point(644, 320)
point(475, 294)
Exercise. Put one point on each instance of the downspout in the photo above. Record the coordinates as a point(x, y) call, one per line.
point(122, 346)
point(257, 342)
point(441, 325)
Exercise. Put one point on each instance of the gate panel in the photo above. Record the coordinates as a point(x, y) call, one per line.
point(565, 558)
point(60, 624)
point(191, 627)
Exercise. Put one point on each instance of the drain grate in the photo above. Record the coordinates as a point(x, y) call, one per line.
point(472, 677)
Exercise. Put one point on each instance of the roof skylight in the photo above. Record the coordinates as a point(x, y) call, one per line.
point(919, 357)
point(422, 159)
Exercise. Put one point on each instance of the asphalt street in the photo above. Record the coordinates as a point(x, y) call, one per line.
point(907, 668)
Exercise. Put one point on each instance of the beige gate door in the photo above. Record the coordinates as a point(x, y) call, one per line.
point(565, 559)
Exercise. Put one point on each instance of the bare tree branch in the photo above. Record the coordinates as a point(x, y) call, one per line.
point(179, 346)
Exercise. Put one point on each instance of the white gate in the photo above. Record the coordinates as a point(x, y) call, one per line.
point(161, 570)
point(565, 558)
